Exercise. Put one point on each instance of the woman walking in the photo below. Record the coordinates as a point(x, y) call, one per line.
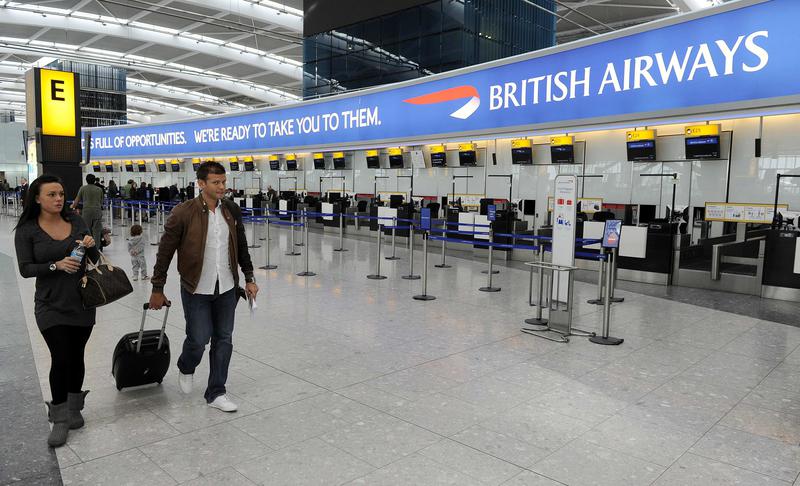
point(52, 244)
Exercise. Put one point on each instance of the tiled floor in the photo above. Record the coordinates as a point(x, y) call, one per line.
point(344, 380)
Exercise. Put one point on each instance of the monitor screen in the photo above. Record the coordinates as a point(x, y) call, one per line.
point(175, 167)
point(249, 166)
point(467, 158)
point(373, 162)
point(338, 163)
point(562, 154)
point(396, 161)
point(439, 159)
point(110, 168)
point(128, 168)
point(162, 167)
point(702, 147)
point(195, 165)
point(234, 166)
point(275, 164)
point(97, 168)
point(642, 151)
point(291, 165)
point(142, 167)
point(522, 155)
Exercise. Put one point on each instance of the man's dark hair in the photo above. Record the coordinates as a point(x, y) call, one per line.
point(209, 167)
point(90, 178)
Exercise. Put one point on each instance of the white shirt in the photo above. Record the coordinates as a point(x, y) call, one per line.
point(216, 257)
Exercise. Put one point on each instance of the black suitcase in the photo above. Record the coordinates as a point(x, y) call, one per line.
point(142, 357)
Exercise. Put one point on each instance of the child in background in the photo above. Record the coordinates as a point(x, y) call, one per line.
point(136, 249)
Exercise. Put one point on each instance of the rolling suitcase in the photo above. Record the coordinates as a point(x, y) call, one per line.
point(142, 357)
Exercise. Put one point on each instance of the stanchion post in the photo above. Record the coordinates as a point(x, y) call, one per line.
point(341, 233)
point(268, 265)
point(394, 231)
point(301, 242)
point(424, 295)
point(490, 273)
point(291, 251)
point(600, 282)
point(605, 338)
point(538, 320)
point(254, 240)
point(377, 275)
point(139, 206)
point(410, 275)
point(306, 272)
point(444, 251)
point(614, 300)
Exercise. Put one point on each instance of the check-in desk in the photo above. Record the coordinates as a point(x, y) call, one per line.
point(645, 253)
point(403, 212)
point(782, 265)
point(730, 263)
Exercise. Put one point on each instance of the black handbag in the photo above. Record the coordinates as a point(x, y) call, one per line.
point(103, 283)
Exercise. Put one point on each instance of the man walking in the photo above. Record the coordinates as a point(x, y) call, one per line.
point(92, 213)
point(209, 236)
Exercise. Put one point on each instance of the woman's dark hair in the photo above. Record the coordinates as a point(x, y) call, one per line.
point(209, 167)
point(31, 209)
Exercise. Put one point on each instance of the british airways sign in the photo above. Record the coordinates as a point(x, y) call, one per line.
point(742, 55)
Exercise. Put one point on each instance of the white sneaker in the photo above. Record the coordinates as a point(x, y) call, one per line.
point(224, 403)
point(185, 382)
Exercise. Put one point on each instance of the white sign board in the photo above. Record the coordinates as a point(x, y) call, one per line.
point(565, 199)
point(633, 242)
point(283, 204)
point(481, 219)
point(797, 256)
point(327, 208)
point(593, 230)
point(467, 220)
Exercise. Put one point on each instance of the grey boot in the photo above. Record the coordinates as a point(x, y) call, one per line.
point(75, 405)
point(59, 415)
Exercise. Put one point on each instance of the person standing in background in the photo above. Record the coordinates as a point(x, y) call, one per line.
point(92, 213)
point(112, 190)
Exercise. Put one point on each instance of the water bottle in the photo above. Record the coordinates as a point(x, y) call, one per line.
point(78, 252)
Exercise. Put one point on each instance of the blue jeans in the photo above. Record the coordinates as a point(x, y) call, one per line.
point(208, 317)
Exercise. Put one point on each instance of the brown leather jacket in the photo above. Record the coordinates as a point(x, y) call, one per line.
point(185, 231)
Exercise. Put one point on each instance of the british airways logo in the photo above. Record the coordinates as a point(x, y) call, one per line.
point(450, 94)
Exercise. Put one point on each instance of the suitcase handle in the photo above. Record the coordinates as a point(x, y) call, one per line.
point(163, 326)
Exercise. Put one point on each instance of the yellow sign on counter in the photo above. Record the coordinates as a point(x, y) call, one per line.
point(702, 130)
point(466, 147)
point(319, 155)
point(57, 96)
point(338, 155)
point(637, 135)
point(395, 151)
point(372, 153)
point(521, 143)
point(273, 158)
point(561, 141)
point(437, 149)
point(291, 157)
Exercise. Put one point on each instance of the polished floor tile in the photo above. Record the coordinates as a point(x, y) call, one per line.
point(600, 466)
point(343, 380)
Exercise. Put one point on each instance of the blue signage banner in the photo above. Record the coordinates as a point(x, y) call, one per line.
point(737, 55)
point(425, 218)
point(611, 233)
point(491, 212)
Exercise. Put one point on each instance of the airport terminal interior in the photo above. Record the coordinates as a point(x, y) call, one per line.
point(496, 242)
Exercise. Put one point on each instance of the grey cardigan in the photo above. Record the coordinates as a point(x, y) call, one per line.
point(57, 300)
